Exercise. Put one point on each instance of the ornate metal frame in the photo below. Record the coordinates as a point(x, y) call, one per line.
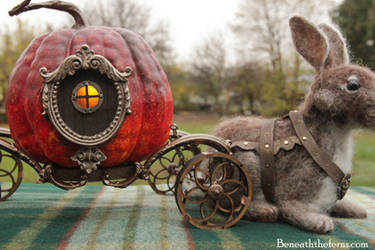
point(85, 59)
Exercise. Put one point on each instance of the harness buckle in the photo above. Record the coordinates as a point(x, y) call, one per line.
point(343, 186)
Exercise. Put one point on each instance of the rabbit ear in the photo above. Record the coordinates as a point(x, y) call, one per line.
point(309, 41)
point(338, 53)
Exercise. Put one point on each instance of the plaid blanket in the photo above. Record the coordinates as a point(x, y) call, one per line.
point(96, 217)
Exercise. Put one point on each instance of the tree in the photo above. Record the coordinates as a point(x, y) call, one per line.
point(357, 20)
point(209, 71)
point(261, 27)
point(131, 15)
point(12, 43)
point(183, 88)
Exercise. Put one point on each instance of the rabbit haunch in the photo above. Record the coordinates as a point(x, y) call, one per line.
point(341, 98)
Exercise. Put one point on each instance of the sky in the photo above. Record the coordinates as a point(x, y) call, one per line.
point(191, 21)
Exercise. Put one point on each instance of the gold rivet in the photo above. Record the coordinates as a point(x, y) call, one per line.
point(304, 138)
point(245, 143)
point(286, 142)
point(267, 146)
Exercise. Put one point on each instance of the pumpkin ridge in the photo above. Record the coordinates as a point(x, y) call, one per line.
point(165, 93)
point(138, 73)
point(30, 132)
point(18, 65)
point(146, 138)
point(39, 123)
point(68, 49)
point(151, 77)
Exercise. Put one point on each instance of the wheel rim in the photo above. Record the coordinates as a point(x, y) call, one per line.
point(10, 174)
point(164, 169)
point(215, 201)
point(164, 166)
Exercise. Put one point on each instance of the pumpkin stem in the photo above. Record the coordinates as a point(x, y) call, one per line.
point(56, 5)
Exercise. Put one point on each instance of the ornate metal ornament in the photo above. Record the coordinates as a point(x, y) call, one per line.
point(85, 60)
point(89, 158)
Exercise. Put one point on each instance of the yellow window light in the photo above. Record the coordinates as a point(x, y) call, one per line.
point(87, 96)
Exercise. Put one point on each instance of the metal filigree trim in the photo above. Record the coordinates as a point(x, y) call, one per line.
point(85, 59)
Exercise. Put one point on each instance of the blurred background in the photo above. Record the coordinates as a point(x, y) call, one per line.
point(222, 58)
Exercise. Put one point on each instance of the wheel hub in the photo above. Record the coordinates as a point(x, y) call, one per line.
point(215, 191)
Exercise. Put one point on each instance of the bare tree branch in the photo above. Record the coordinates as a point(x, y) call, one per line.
point(131, 15)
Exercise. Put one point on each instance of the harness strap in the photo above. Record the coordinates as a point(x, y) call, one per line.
point(319, 156)
point(267, 160)
point(268, 148)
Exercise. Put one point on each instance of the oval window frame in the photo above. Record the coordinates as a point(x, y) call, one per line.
point(85, 59)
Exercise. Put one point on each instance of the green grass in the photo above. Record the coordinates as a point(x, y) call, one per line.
point(364, 159)
point(196, 122)
point(364, 148)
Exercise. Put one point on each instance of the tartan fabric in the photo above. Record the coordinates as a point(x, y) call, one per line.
point(96, 217)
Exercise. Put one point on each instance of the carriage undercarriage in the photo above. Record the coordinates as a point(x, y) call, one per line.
point(211, 188)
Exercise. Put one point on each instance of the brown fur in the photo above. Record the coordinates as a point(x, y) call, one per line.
point(304, 195)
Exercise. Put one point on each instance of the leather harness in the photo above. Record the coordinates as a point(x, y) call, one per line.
point(267, 148)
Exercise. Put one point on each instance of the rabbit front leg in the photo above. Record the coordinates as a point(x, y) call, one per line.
point(300, 215)
point(347, 209)
point(259, 209)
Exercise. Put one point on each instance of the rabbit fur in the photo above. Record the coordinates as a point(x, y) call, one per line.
point(304, 195)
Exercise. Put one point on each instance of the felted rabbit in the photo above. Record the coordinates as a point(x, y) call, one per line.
point(341, 98)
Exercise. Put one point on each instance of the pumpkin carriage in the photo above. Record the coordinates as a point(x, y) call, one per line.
point(91, 104)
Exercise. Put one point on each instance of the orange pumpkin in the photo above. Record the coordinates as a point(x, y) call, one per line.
point(142, 132)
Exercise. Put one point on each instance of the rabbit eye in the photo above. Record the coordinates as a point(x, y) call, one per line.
point(353, 83)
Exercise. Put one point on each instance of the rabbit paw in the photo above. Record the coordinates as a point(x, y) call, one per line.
point(319, 223)
point(262, 211)
point(347, 209)
point(301, 216)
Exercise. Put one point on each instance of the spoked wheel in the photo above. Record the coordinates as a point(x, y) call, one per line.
point(164, 166)
point(10, 171)
point(213, 191)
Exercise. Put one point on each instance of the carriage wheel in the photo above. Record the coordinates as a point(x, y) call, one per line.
point(164, 166)
point(10, 174)
point(213, 191)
